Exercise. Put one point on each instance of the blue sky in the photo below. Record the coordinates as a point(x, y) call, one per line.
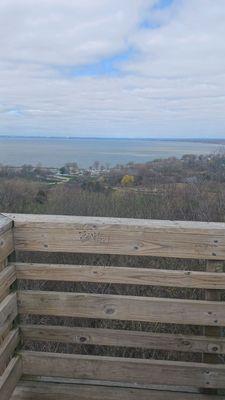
point(106, 68)
point(109, 66)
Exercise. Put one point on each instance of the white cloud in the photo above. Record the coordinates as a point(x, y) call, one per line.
point(172, 84)
point(67, 32)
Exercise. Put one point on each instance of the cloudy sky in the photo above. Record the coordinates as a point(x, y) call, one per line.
point(112, 68)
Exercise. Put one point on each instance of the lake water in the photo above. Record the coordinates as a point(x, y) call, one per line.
point(56, 152)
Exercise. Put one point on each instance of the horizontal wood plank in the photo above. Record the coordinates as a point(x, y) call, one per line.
point(120, 275)
point(182, 239)
point(28, 390)
point(125, 338)
point(6, 244)
point(10, 378)
point(8, 312)
point(132, 308)
point(7, 278)
point(7, 348)
point(115, 369)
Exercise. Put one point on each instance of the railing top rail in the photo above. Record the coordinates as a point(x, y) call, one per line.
point(177, 239)
point(23, 219)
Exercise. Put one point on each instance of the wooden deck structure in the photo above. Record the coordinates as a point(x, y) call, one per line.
point(27, 374)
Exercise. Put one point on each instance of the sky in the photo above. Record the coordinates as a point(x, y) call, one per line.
point(112, 68)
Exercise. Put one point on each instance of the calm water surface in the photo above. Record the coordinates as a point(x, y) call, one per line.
point(57, 152)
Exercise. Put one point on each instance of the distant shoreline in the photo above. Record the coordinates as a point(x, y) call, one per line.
point(192, 140)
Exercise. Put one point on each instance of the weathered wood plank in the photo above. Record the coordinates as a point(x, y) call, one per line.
point(7, 327)
point(113, 337)
point(96, 382)
point(64, 220)
point(212, 295)
point(10, 378)
point(7, 348)
point(7, 278)
point(115, 369)
point(132, 308)
point(121, 275)
point(3, 264)
point(6, 223)
point(200, 240)
point(6, 244)
point(8, 312)
point(51, 391)
point(4, 291)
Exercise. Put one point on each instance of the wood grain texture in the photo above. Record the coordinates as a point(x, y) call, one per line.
point(10, 378)
point(52, 233)
point(7, 278)
point(27, 390)
point(6, 223)
point(113, 337)
point(121, 275)
point(3, 264)
point(7, 348)
point(115, 369)
point(4, 290)
point(8, 312)
point(212, 295)
point(6, 244)
point(131, 308)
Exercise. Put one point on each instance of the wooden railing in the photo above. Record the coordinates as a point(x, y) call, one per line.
point(107, 376)
point(10, 365)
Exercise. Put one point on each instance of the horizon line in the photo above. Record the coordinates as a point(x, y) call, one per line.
point(108, 138)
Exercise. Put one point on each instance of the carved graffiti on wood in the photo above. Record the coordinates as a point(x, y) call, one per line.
point(93, 236)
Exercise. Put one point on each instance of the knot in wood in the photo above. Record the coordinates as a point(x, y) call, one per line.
point(110, 309)
point(82, 339)
point(186, 342)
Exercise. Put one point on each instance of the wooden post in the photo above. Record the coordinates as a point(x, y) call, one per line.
point(214, 331)
point(6, 248)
